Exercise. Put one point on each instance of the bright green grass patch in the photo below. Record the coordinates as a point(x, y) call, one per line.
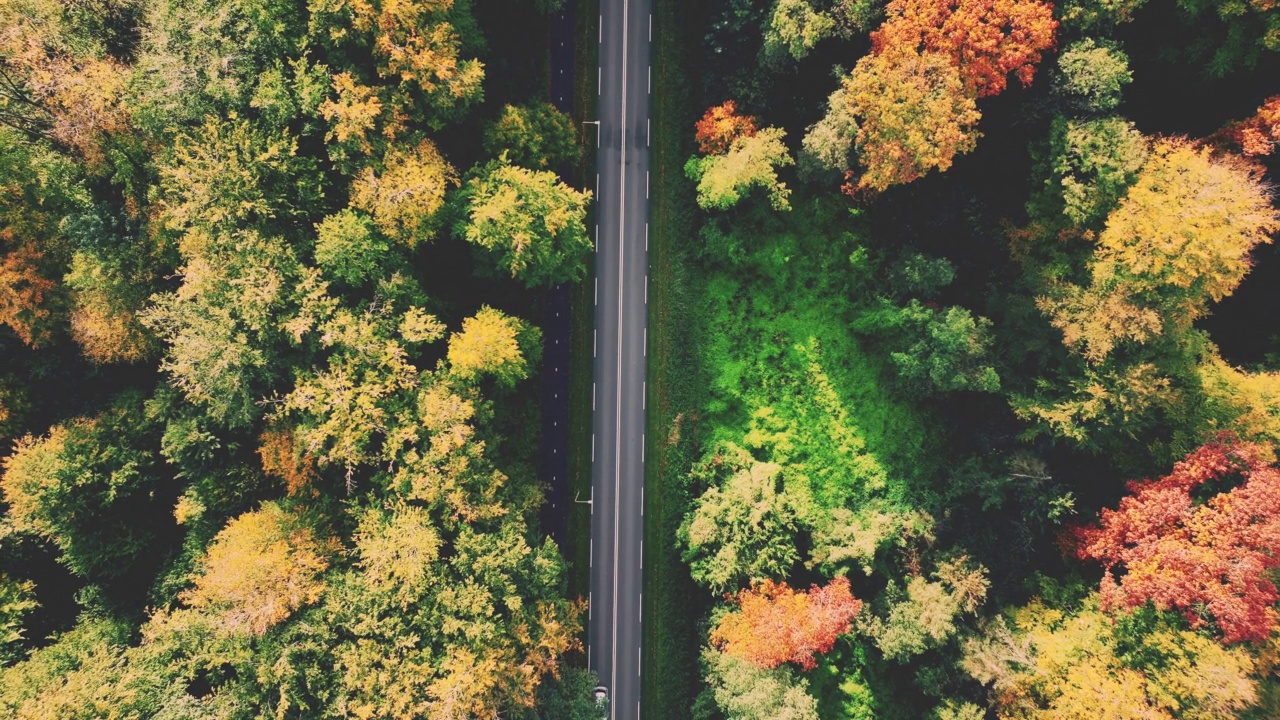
point(788, 378)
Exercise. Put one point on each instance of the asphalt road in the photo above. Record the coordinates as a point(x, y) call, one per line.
point(621, 338)
point(556, 324)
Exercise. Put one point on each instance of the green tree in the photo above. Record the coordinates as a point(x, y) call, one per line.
point(349, 249)
point(531, 224)
point(1092, 75)
point(743, 529)
point(746, 692)
point(92, 486)
point(921, 614)
point(230, 174)
point(203, 57)
point(828, 143)
point(17, 600)
point(943, 350)
point(1088, 167)
point(952, 353)
point(534, 136)
point(795, 26)
point(221, 327)
point(569, 697)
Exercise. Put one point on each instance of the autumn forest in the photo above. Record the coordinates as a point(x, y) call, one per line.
point(963, 391)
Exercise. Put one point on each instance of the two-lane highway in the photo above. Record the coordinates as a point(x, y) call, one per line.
point(621, 338)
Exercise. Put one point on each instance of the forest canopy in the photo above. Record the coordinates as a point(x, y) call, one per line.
point(1003, 366)
point(264, 414)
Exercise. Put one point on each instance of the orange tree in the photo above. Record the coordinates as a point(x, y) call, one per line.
point(985, 39)
point(775, 624)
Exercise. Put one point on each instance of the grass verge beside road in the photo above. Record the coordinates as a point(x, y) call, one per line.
point(672, 603)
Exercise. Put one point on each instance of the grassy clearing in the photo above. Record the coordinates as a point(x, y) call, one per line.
point(579, 520)
point(672, 603)
point(787, 377)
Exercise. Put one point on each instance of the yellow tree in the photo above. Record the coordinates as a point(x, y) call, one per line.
point(353, 114)
point(752, 160)
point(418, 45)
point(104, 318)
point(913, 113)
point(491, 343)
point(1080, 666)
point(1179, 239)
point(261, 567)
point(407, 191)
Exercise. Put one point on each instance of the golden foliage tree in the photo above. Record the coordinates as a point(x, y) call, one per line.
point(406, 193)
point(489, 344)
point(261, 567)
point(281, 458)
point(1074, 666)
point(913, 114)
point(751, 161)
point(104, 316)
point(1179, 239)
point(354, 113)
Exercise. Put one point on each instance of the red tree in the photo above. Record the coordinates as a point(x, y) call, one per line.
point(722, 124)
point(1206, 558)
point(985, 39)
point(1257, 135)
point(775, 624)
